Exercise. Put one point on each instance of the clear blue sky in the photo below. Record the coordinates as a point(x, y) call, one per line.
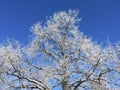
point(101, 18)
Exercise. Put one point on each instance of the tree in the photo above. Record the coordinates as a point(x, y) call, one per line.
point(59, 57)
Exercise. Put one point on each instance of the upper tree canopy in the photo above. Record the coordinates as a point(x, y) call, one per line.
point(59, 57)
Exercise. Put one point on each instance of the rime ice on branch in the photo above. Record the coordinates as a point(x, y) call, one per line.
point(60, 56)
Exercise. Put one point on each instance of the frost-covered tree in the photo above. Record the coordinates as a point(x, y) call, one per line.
point(59, 57)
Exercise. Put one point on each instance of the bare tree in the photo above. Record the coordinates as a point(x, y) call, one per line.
point(59, 57)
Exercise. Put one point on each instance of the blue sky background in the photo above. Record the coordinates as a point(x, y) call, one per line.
point(101, 18)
